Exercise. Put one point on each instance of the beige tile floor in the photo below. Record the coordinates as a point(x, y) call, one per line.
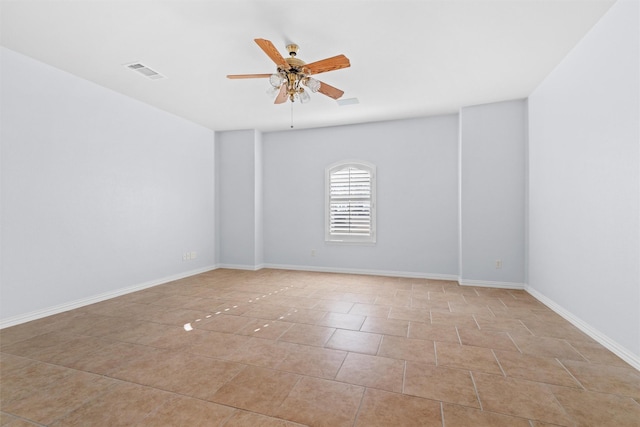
point(282, 348)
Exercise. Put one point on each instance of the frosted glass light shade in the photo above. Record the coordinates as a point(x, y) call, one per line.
point(272, 91)
point(276, 80)
point(304, 97)
point(313, 84)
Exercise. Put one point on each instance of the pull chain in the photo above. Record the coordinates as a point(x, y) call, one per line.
point(291, 114)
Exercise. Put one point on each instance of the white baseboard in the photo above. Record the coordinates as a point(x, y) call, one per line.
point(491, 284)
point(619, 350)
point(390, 273)
point(49, 311)
point(241, 267)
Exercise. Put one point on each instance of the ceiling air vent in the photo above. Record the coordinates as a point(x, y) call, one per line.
point(348, 101)
point(145, 71)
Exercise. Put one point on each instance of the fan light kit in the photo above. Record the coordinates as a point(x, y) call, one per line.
point(293, 75)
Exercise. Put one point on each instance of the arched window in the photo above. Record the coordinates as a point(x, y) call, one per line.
point(350, 202)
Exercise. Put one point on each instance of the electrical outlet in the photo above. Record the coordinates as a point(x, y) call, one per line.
point(498, 263)
point(194, 254)
point(313, 252)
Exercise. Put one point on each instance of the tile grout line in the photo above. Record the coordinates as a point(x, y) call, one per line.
point(355, 419)
point(569, 372)
point(379, 344)
point(404, 374)
point(555, 398)
point(475, 388)
point(341, 365)
point(435, 351)
point(498, 360)
point(18, 417)
point(526, 327)
point(226, 420)
point(464, 299)
point(85, 402)
point(576, 350)
point(514, 342)
point(476, 320)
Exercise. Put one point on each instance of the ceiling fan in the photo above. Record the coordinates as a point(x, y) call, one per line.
point(292, 74)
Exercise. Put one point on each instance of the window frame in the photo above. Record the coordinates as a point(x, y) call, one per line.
point(351, 238)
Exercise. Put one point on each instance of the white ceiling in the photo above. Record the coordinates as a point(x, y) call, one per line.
point(408, 58)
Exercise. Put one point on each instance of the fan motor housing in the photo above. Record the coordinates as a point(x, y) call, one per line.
point(295, 62)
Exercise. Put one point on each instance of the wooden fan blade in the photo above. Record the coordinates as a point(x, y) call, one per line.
point(282, 95)
point(248, 76)
point(329, 64)
point(330, 91)
point(272, 53)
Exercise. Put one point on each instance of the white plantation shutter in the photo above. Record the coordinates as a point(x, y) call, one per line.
point(350, 203)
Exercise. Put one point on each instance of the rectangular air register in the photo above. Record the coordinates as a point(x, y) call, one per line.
point(145, 71)
point(348, 101)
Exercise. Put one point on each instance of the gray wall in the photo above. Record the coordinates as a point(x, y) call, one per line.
point(419, 199)
point(585, 182)
point(239, 210)
point(100, 193)
point(417, 183)
point(492, 194)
